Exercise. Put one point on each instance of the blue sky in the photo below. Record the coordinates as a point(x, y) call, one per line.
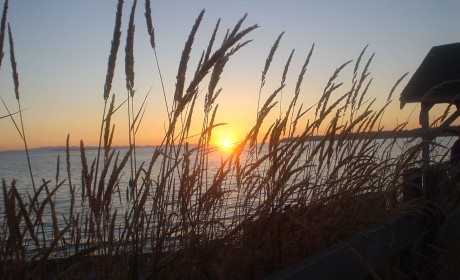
point(62, 49)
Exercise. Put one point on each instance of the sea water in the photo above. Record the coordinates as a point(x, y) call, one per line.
point(49, 166)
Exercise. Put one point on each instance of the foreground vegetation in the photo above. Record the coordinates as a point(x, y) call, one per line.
point(269, 203)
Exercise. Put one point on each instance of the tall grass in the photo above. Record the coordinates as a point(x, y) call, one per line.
point(268, 203)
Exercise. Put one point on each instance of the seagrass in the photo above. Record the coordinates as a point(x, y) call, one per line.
point(281, 194)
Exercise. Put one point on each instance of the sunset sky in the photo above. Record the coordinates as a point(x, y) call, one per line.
point(62, 48)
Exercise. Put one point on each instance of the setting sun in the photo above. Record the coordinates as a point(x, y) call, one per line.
point(224, 139)
point(226, 145)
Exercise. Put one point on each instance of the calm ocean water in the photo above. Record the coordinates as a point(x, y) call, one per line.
point(13, 165)
point(45, 163)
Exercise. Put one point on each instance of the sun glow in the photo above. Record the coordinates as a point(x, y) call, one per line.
point(224, 140)
point(226, 145)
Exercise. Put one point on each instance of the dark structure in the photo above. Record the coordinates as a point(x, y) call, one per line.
point(436, 81)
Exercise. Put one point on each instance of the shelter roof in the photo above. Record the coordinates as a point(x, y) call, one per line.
point(437, 79)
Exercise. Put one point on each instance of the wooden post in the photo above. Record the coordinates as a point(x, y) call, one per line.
point(426, 137)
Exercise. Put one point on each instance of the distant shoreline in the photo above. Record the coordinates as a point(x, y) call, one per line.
point(413, 133)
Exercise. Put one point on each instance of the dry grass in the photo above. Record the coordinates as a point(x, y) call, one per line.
point(267, 204)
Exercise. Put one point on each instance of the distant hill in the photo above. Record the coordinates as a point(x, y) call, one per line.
point(413, 133)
